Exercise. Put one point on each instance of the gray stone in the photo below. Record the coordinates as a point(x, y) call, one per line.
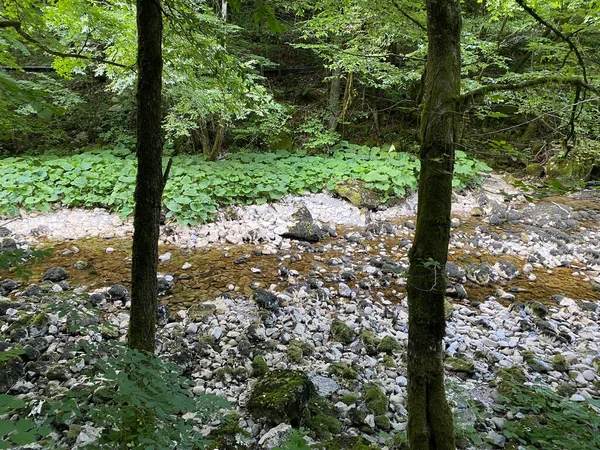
point(55, 274)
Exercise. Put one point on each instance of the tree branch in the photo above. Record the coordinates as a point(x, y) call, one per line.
point(16, 25)
point(556, 31)
point(573, 81)
point(409, 17)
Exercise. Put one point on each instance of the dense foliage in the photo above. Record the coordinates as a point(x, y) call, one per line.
point(197, 187)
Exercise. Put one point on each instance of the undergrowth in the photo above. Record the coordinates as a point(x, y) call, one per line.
point(196, 188)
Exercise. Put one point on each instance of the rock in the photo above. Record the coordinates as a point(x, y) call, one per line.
point(325, 386)
point(7, 286)
point(375, 399)
point(162, 314)
point(358, 194)
point(164, 258)
point(506, 269)
point(344, 290)
point(304, 228)
point(118, 292)
point(55, 274)
point(11, 369)
point(276, 437)
point(96, 298)
point(88, 435)
point(577, 398)
point(341, 332)
point(199, 311)
point(369, 342)
point(32, 290)
point(58, 373)
point(266, 300)
point(281, 397)
point(164, 286)
point(77, 320)
point(463, 365)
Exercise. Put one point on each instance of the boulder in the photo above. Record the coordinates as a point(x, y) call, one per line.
point(304, 227)
point(281, 396)
point(55, 274)
point(358, 194)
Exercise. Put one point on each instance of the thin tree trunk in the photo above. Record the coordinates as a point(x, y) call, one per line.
point(335, 90)
point(149, 181)
point(429, 417)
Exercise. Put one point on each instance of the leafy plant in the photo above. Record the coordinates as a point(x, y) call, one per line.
point(17, 260)
point(548, 421)
point(140, 402)
point(196, 187)
point(295, 441)
point(18, 431)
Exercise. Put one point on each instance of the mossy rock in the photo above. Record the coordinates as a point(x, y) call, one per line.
point(559, 363)
point(566, 389)
point(375, 399)
point(320, 417)
point(389, 362)
point(343, 370)
point(383, 422)
point(298, 349)
point(388, 345)
point(358, 194)
point(535, 170)
point(448, 310)
point(341, 332)
point(40, 320)
point(460, 365)
point(259, 366)
point(281, 396)
point(349, 399)
point(357, 417)
point(369, 342)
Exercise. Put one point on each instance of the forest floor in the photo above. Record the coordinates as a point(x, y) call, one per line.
point(524, 286)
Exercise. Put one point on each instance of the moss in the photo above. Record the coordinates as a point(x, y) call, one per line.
point(534, 170)
point(298, 349)
point(349, 399)
point(321, 418)
point(342, 332)
point(74, 431)
point(448, 309)
point(259, 366)
point(460, 365)
point(388, 345)
point(566, 389)
point(345, 443)
point(375, 399)
point(559, 363)
point(226, 435)
point(369, 342)
point(383, 422)
point(508, 377)
point(358, 194)
point(223, 373)
point(294, 354)
point(343, 370)
point(357, 417)
point(41, 319)
point(388, 361)
point(239, 373)
point(281, 396)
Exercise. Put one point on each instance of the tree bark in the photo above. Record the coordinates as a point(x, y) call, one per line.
point(430, 425)
point(335, 91)
point(149, 181)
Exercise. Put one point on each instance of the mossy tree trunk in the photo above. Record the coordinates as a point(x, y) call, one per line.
point(430, 425)
point(149, 181)
point(335, 91)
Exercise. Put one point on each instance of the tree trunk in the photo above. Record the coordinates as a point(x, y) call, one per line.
point(149, 181)
point(430, 424)
point(335, 91)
